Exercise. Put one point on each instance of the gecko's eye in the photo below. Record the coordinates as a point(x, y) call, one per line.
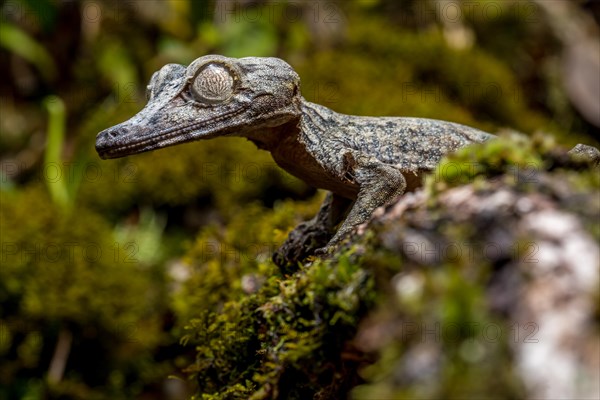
point(214, 83)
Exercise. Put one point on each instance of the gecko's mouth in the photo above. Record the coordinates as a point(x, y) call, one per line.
point(127, 139)
point(160, 140)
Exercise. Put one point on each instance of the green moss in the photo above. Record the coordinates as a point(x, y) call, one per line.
point(489, 159)
point(260, 331)
point(284, 340)
point(221, 257)
point(514, 155)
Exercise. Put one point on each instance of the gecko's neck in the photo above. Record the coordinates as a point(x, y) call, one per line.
point(314, 109)
point(313, 122)
point(319, 122)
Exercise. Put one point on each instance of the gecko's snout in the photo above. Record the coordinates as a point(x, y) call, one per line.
point(109, 139)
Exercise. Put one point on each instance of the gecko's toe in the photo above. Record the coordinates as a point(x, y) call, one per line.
point(324, 251)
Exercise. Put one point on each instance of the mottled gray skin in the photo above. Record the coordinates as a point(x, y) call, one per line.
point(365, 162)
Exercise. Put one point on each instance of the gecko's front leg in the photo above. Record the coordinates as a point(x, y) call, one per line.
point(379, 185)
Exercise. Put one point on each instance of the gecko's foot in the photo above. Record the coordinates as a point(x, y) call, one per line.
point(302, 242)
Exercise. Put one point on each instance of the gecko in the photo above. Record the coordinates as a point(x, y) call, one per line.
point(363, 162)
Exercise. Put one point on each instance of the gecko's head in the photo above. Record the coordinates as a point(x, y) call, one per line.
point(213, 96)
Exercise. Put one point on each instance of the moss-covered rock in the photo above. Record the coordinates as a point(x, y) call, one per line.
point(484, 289)
point(265, 335)
point(439, 298)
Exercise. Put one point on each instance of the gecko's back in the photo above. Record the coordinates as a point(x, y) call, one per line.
point(412, 144)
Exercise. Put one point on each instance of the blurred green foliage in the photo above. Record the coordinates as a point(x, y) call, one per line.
point(121, 255)
point(64, 270)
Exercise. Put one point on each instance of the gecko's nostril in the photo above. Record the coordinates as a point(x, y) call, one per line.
point(111, 136)
point(117, 132)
